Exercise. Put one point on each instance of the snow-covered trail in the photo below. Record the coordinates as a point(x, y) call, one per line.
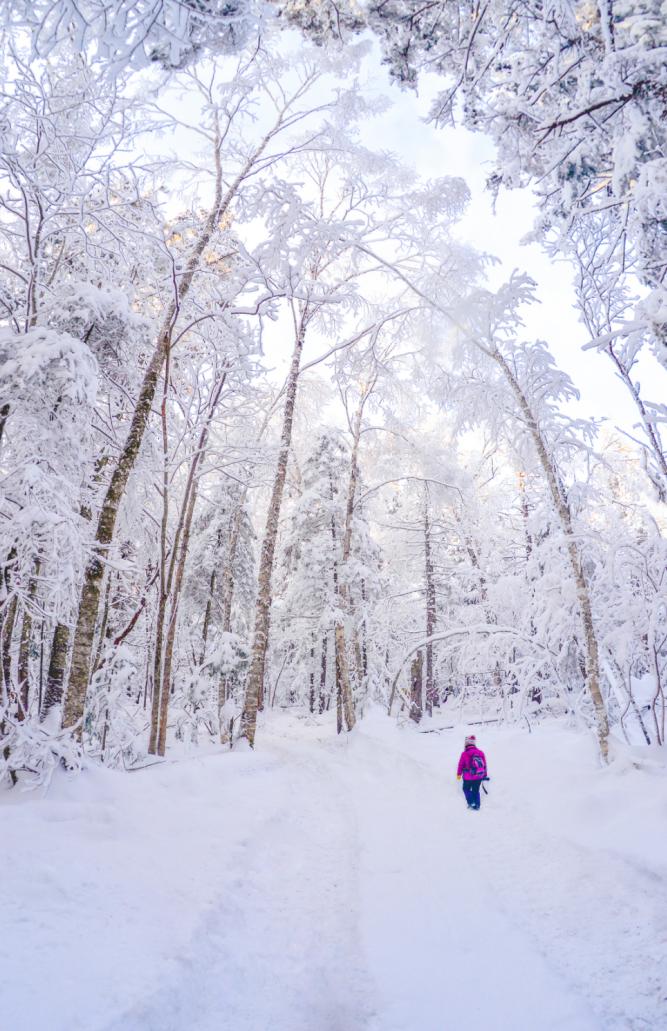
point(327, 884)
point(441, 952)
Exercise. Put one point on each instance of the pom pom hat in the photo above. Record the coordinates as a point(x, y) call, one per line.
point(471, 740)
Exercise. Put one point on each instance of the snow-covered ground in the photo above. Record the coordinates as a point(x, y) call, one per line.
point(325, 884)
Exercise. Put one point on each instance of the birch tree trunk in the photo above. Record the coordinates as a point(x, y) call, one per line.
point(227, 601)
point(165, 687)
point(344, 699)
point(6, 635)
point(229, 580)
point(4, 415)
point(23, 669)
point(62, 635)
point(658, 701)
point(40, 683)
point(339, 696)
point(158, 657)
point(347, 700)
point(255, 678)
point(323, 676)
point(561, 505)
point(105, 633)
point(416, 687)
point(7, 620)
point(626, 687)
point(207, 616)
point(157, 667)
point(311, 677)
point(345, 686)
point(364, 633)
point(431, 694)
point(55, 676)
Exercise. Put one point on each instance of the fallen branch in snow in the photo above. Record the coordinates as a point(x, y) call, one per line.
point(469, 723)
point(485, 629)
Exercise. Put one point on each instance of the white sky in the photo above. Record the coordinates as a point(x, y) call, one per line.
point(436, 152)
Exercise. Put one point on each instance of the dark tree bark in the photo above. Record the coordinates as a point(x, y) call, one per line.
point(311, 680)
point(323, 676)
point(55, 676)
point(4, 415)
point(6, 635)
point(431, 693)
point(416, 687)
point(207, 616)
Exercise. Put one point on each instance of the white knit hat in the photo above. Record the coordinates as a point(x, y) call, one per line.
point(471, 740)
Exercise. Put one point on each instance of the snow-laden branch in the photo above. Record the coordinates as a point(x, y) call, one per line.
point(418, 479)
point(607, 338)
point(372, 330)
point(482, 630)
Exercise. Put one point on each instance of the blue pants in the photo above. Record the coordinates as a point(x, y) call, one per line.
point(471, 791)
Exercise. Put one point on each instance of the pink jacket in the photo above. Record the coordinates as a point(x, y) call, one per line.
point(465, 769)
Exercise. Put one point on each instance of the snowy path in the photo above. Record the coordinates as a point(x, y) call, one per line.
point(441, 953)
point(339, 885)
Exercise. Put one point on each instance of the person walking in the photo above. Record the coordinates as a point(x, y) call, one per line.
point(472, 768)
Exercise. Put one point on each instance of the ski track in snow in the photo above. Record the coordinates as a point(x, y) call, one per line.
point(329, 884)
point(279, 953)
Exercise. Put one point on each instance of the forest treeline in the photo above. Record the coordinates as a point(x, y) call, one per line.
point(267, 435)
